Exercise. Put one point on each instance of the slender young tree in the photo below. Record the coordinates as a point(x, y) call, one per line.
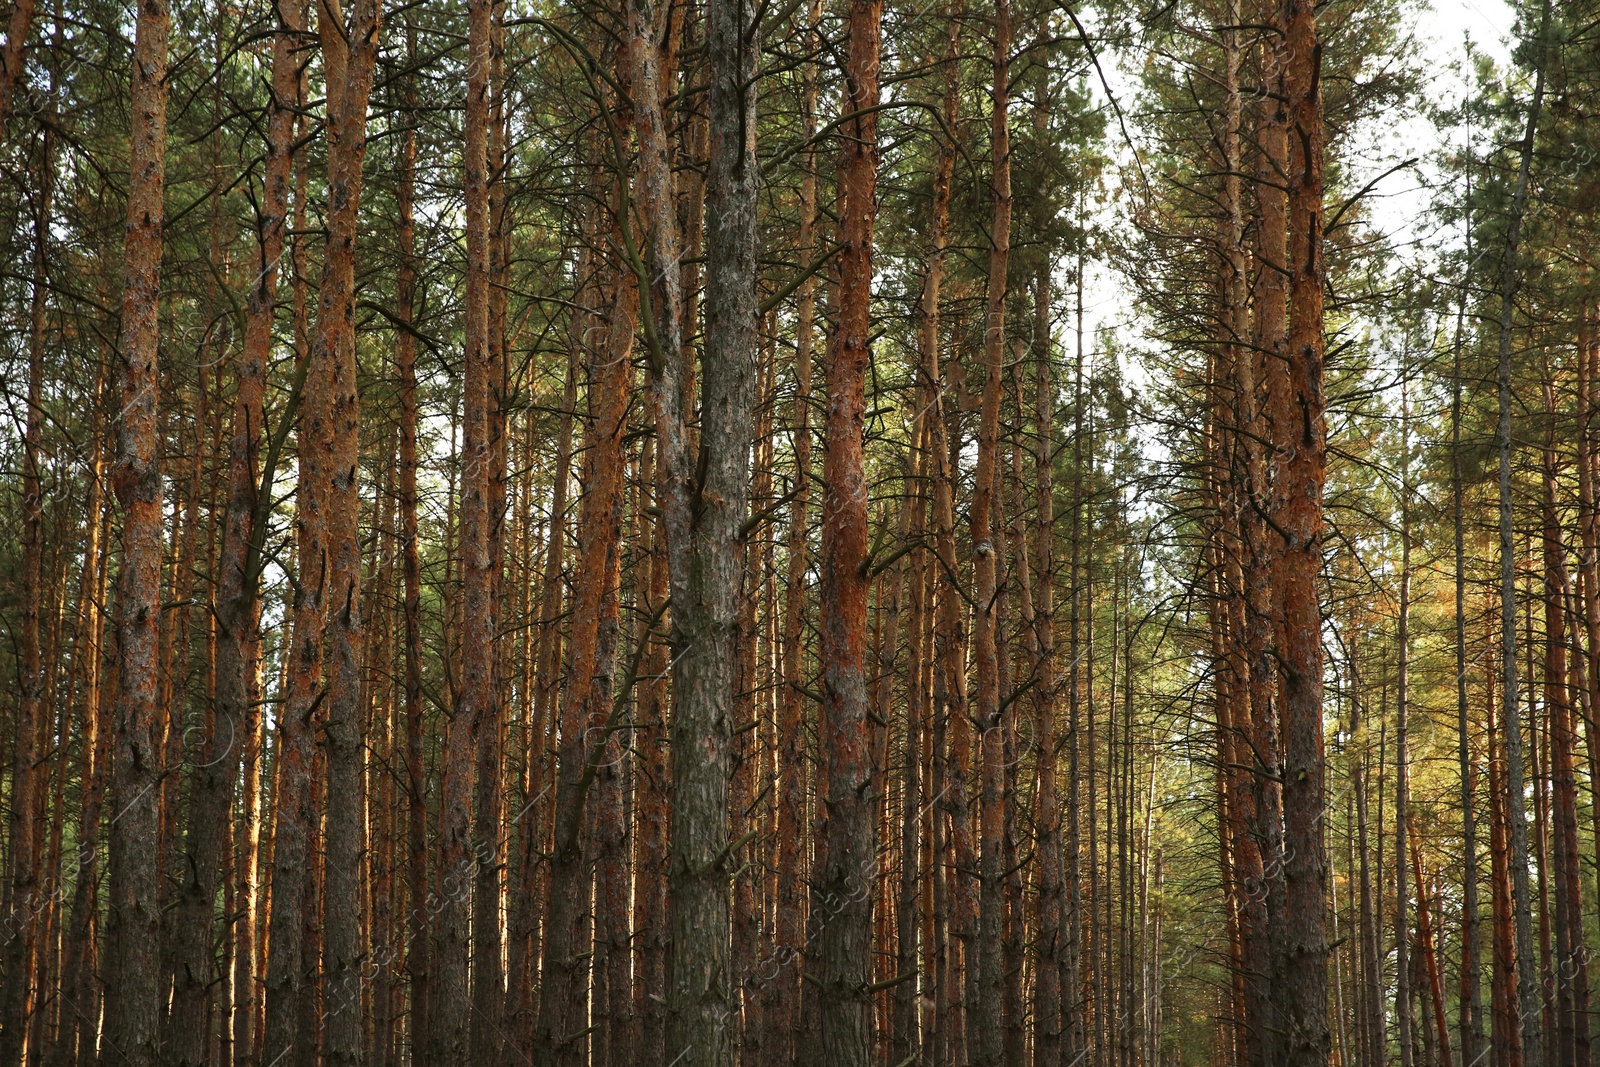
point(783, 1009)
point(986, 1026)
point(1470, 1014)
point(24, 887)
point(456, 1017)
point(1402, 750)
point(417, 957)
point(1511, 275)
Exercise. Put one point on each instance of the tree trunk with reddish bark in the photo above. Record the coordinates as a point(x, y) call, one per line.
point(12, 58)
point(25, 889)
point(349, 54)
point(237, 612)
point(1571, 1039)
point(133, 1002)
point(841, 901)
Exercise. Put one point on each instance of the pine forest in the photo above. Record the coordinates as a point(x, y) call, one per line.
point(799, 533)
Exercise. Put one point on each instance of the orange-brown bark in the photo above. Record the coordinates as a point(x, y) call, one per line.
point(133, 996)
point(841, 902)
point(1295, 387)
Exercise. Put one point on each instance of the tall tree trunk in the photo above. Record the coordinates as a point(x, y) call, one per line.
point(789, 941)
point(1586, 651)
point(1571, 968)
point(1371, 956)
point(1470, 1013)
point(380, 897)
point(1515, 815)
point(488, 987)
point(703, 497)
point(585, 730)
point(950, 644)
point(1301, 439)
point(327, 561)
point(748, 734)
point(25, 888)
point(692, 1010)
point(75, 1041)
point(1544, 876)
point(607, 831)
point(418, 964)
point(903, 1030)
point(1051, 937)
point(1264, 379)
point(948, 673)
point(1428, 949)
point(535, 809)
point(650, 853)
point(841, 901)
point(133, 1003)
point(456, 1017)
point(293, 756)
point(986, 1024)
point(349, 53)
point(1009, 531)
point(237, 611)
point(1507, 1030)
point(1402, 753)
point(1074, 1001)
point(1237, 453)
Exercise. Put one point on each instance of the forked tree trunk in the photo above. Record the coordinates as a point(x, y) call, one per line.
point(238, 648)
point(584, 712)
point(705, 491)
